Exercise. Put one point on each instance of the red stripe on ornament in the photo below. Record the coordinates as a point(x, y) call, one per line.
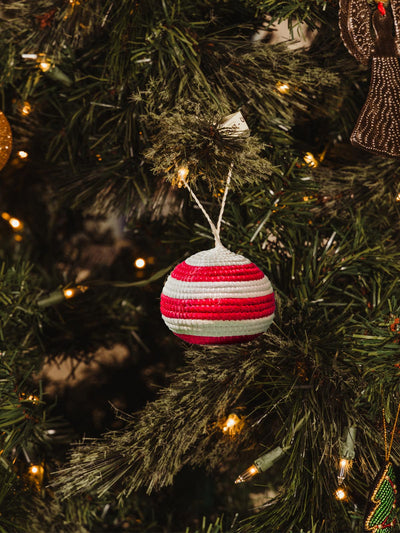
point(216, 307)
point(185, 272)
point(219, 315)
point(217, 312)
point(266, 299)
point(219, 308)
point(194, 339)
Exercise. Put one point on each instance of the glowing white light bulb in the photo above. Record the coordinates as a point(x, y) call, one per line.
point(140, 262)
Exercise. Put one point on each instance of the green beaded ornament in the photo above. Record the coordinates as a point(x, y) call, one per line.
point(380, 516)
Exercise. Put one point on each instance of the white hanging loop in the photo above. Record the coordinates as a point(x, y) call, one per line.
point(212, 226)
point(228, 182)
point(233, 125)
point(215, 229)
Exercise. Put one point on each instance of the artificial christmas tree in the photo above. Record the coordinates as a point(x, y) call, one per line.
point(108, 102)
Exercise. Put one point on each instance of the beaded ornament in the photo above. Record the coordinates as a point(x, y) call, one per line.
point(381, 511)
point(381, 516)
point(374, 33)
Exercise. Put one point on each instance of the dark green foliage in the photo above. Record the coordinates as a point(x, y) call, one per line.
point(309, 11)
point(333, 281)
point(119, 66)
point(136, 90)
point(196, 143)
point(184, 415)
point(18, 295)
point(217, 527)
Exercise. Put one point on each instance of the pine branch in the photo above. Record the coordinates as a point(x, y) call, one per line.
point(20, 320)
point(202, 392)
point(103, 123)
point(308, 11)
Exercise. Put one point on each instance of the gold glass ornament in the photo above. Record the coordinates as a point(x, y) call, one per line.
point(5, 140)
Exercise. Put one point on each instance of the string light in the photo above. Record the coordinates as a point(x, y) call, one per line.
point(47, 66)
point(34, 399)
point(140, 263)
point(41, 60)
point(14, 222)
point(182, 174)
point(344, 466)
point(36, 471)
point(31, 398)
point(71, 292)
point(44, 65)
point(313, 161)
point(61, 295)
point(283, 88)
point(261, 464)
point(22, 154)
point(36, 474)
point(341, 494)
point(347, 453)
point(247, 474)
point(232, 425)
point(398, 197)
point(310, 160)
point(26, 108)
point(231, 421)
point(72, 5)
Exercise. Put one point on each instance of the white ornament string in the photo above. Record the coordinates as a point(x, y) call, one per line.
point(215, 229)
point(228, 181)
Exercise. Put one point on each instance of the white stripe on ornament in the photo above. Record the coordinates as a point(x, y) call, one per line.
point(196, 290)
point(219, 256)
point(218, 328)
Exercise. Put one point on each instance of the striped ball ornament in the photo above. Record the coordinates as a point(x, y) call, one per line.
point(217, 297)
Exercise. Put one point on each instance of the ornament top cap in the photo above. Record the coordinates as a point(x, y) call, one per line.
point(235, 124)
point(216, 257)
